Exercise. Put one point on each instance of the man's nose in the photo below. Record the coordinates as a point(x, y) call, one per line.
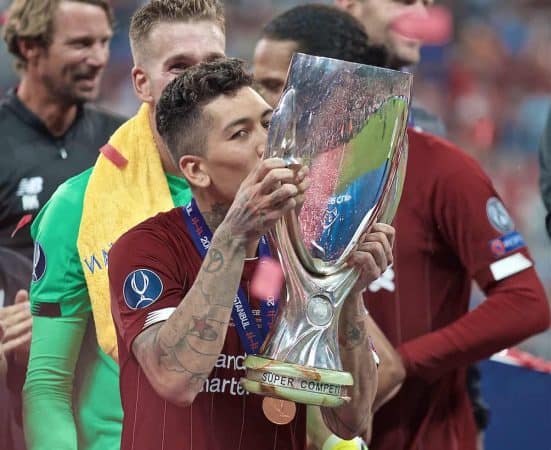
point(418, 7)
point(98, 55)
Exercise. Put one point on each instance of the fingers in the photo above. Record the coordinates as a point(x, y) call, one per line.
point(14, 344)
point(373, 254)
point(22, 296)
point(370, 259)
point(15, 322)
point(387, 230)
point(270, 191)
point(275, 178)
point(265, 166)
point(18, 329)
point(12, 314)
point(385, 241)
point(282, 194)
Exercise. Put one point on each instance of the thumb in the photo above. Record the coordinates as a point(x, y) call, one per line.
point(22, 296)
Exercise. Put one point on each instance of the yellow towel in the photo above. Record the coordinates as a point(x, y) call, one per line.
point(116, 199)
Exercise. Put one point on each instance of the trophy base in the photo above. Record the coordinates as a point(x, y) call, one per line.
point(301, 384)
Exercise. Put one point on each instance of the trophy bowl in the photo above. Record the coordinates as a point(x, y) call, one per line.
point(346, 122)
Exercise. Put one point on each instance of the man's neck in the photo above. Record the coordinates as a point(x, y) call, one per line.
point(167, 162)
point(56, 115)
point(212, 211)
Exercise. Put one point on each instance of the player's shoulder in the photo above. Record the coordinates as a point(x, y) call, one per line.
point(163, 228)
point(440, 154)
point(64, 208)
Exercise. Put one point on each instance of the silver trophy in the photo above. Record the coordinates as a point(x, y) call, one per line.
point(347, 122)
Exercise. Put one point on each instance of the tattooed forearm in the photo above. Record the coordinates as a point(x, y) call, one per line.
point(179, 354)
point(353, 335)
point(215, 261)
point(354, 417)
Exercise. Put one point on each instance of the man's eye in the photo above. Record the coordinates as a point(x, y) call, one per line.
point(266, 124)
point(240, 134)
point(178, 67)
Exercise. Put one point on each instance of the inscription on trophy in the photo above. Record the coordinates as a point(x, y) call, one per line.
point(318, 387)
point(319, 310)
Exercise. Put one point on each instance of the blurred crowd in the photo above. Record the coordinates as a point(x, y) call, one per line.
point(491, 84)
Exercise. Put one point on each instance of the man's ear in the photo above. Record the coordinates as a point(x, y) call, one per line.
point(347, 5)
point(195, 171)
point(29, 49)
point(142, 86)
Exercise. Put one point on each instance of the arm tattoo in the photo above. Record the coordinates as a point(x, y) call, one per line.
point(353, 336)
point(182, 351)
point(215, 261)
point(216, 215)
point(203, 330)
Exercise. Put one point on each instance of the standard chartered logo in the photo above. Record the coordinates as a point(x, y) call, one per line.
point(226, 383)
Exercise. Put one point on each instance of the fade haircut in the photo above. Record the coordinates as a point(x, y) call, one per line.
point(327, 31)
point(180, 118)
point(34, 20)
point(169, 11)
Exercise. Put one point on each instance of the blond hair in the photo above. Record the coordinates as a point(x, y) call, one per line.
point(34, 20)
point(159, 11)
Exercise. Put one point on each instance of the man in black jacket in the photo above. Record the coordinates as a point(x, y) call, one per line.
point(48, 133)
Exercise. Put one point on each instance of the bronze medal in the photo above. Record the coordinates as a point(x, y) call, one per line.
point(277, 411)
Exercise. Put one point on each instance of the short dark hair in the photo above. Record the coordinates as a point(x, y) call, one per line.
point(179, 114)
point(322, 30)
point(161, 11)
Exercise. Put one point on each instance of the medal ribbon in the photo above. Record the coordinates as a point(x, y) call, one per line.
point(249, 333)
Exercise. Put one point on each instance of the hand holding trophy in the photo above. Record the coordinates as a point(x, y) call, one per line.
point(347, 123)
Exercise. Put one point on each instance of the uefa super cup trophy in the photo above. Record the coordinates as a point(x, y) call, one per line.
point(347, 122)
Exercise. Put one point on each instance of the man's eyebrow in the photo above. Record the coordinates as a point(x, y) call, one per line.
point(245, 120)
point(240, 121)
point(214, 56)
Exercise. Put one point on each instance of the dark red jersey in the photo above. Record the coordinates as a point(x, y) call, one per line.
point(150, 269)
point(452, 228)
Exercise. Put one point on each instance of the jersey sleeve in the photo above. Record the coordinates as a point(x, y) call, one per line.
point(47, 394)
point(146, 281)
point(475, 223)
point(476, 226)
point(58, 287)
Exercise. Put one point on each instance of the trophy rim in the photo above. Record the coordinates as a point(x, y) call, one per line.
point(290, 221)
point(300, 55)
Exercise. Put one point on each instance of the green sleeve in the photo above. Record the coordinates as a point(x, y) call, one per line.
point(61, 309)
point(59, 287)
point(47, 394)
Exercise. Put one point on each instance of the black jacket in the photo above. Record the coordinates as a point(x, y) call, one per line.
point(33, 163)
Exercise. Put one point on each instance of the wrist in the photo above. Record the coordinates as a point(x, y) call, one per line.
point(224, 236)
point(354, 306)
point(334, 442)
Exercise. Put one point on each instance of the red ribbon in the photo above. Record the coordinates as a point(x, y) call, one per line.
point(113, 155)
point(22, 222)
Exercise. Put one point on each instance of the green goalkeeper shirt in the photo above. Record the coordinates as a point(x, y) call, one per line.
point(71, 394)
